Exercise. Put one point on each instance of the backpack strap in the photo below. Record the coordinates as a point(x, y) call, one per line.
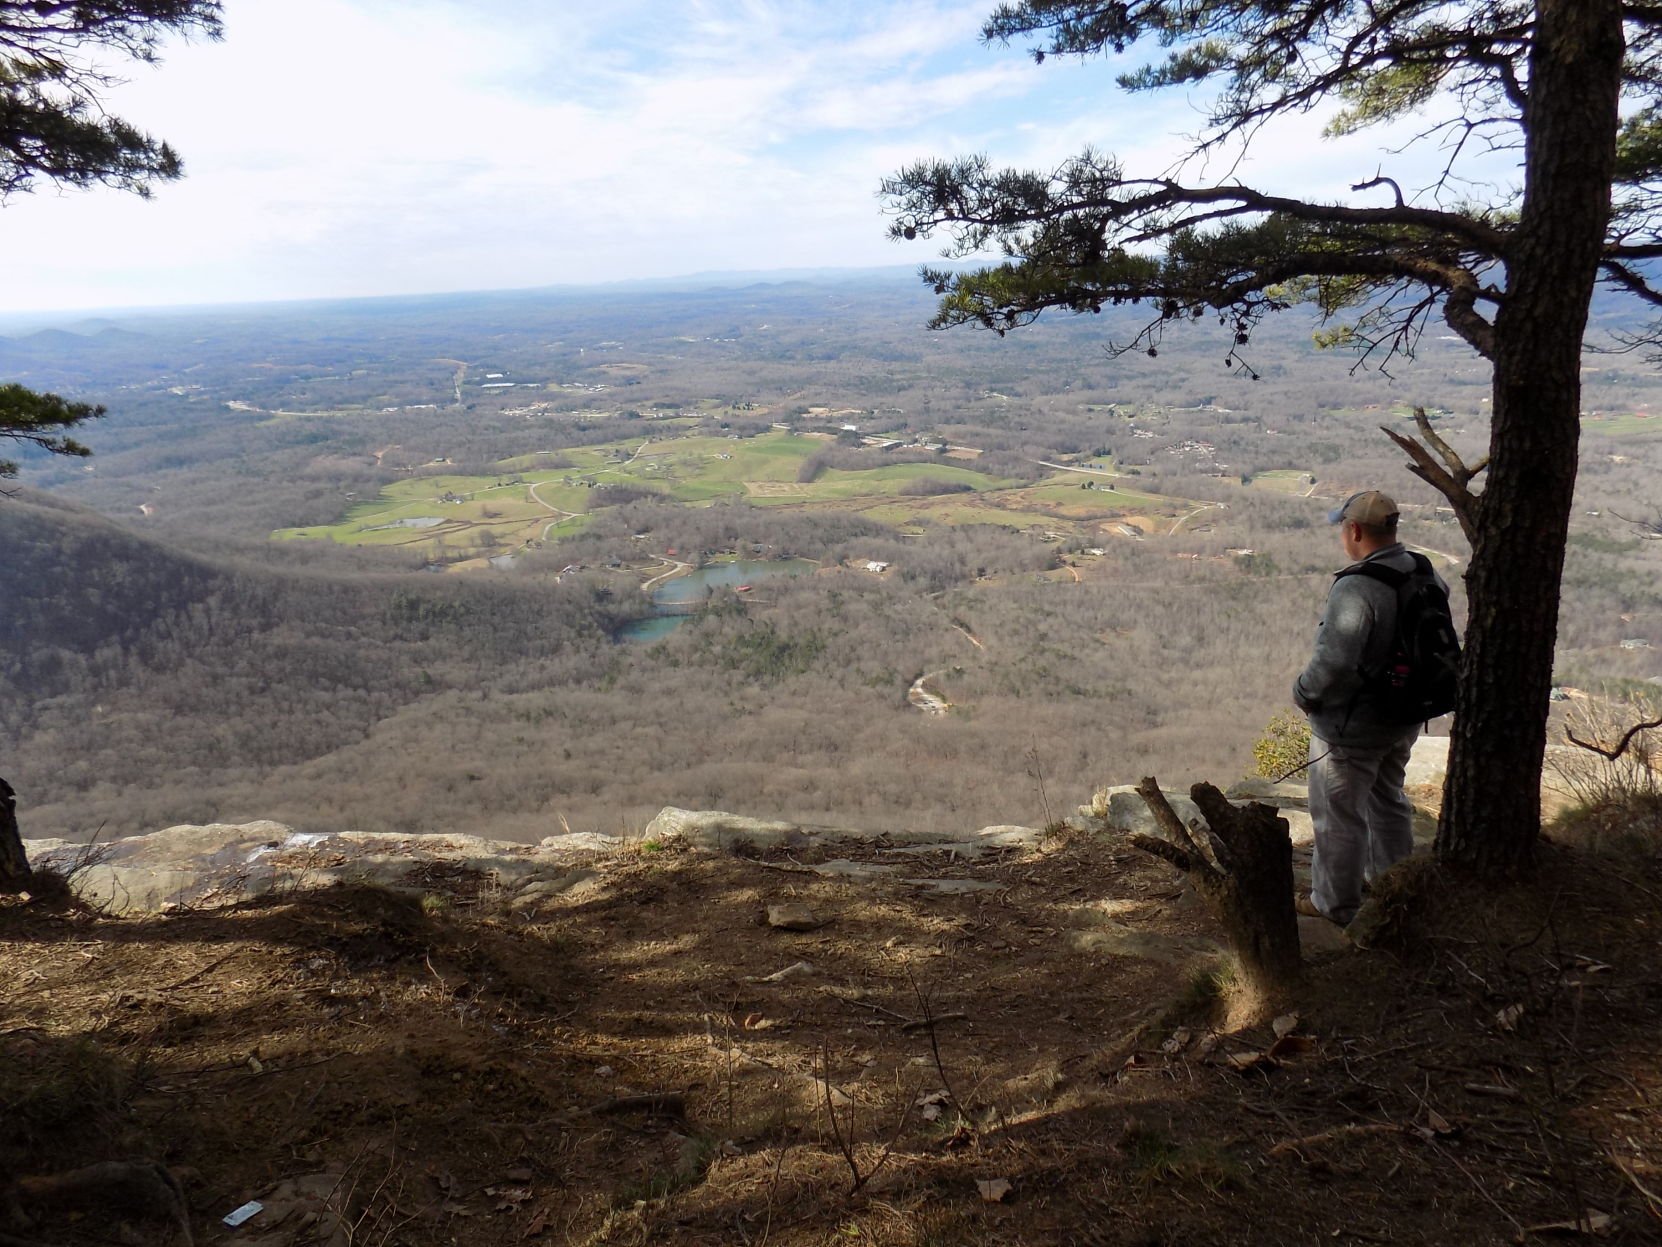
point(1389, 575)
point(1375, 571)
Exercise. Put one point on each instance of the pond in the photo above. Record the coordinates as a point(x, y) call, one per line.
point(675, 597)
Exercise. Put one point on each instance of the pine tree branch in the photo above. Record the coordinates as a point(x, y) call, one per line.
point(1632, 282)
point(1488, 239)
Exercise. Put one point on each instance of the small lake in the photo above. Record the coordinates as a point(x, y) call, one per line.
point(418, 521)
point(676, 594)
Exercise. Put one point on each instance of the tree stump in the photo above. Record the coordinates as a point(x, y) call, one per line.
point(1244, 872)
point(14, 865)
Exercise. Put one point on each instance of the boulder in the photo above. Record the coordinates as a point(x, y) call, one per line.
point(1320, 939)
point(196, 865)
point(535, 891)
point(793, 916)
point(183, 865)
point(1428, 764)
point(722, 832)
point(1284, 795)
point(581, 842)
point(1128, 812)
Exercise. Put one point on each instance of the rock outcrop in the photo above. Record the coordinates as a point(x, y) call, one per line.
point(195, 866)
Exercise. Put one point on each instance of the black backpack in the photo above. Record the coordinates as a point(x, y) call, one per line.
point(1420, 676)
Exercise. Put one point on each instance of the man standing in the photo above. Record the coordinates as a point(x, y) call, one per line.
point(1358, 748)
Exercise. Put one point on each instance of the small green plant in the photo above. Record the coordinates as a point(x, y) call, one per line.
point(1150, 1151)
point(1155, 1157)
point(59, 1095)
point(680, 1173)
point(1283, 748)
point(1206, 986)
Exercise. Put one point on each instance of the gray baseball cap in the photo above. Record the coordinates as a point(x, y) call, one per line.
point(1368, 507)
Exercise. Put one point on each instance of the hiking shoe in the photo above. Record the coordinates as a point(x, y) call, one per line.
point(1305, 904)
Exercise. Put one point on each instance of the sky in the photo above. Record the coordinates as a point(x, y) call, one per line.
point(341, 148)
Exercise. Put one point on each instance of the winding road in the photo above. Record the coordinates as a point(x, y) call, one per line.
point(677, 568)
point(564, 515)
point(923, 699)
point(1205, 506)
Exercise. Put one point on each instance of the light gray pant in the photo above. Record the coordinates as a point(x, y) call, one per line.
point(1364, 822)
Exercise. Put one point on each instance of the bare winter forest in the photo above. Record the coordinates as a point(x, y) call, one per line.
point(163, 660)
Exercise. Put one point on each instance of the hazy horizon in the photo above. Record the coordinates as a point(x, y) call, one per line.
point(448, 147)
point(26, 320)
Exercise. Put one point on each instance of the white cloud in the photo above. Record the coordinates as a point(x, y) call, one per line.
point(338, 147)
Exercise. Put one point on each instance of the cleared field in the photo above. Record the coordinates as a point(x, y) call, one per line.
point(460, 519)
point(1634, 424)
point(1282, 480)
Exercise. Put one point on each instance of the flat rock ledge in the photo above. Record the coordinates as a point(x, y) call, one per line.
point(202, 866)
point(206, 865)
point(1127, 812)
point(721, 832)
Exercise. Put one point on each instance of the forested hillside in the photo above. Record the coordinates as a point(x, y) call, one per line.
point(1140, 603)
point(221, 691)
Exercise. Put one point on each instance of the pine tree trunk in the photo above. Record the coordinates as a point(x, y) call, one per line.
point(14, 865)
point(1491, 814)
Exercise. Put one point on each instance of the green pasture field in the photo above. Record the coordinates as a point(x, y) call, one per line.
point(953, 511)
point(292, 417)
point(526, 504)
point(1633, 424)
point(1282, 480)
point(1063, 490)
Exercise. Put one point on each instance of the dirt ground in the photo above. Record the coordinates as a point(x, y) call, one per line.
point(1057, 1057)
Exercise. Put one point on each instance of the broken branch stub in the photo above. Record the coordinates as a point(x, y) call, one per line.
point(1453, 480)
point(1249, 886)
point(14, 864)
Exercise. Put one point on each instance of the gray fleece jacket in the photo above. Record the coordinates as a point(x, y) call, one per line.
point(1354, 636)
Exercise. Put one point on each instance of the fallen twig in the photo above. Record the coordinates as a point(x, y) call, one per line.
point(864, 1004)
point(917, 1024)
point(1653, 1201)
point(1295, 1147)
point(663, 1103)
point(207, 969)
point(1502, 1093)
point(795, 970)
point(731, 1050)
point(1478, 1186)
